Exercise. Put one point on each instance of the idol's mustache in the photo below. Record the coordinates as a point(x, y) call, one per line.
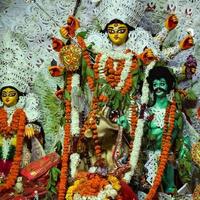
point(160, 89)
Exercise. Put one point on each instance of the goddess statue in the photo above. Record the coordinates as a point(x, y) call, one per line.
point(115, 87)
point(19, 132)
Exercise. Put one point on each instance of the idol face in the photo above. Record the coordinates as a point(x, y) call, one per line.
point(117, 33)
point(9, 96)
point(160, 87)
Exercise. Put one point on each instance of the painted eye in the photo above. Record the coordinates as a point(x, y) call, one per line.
point(12, 94)
point(111, 31)
point(121, 31)
point(154, 85)
point(4, 94)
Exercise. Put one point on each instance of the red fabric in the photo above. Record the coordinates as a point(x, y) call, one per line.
point(40, 184)
point(5, 166)
point(126, 192)
point(39, 167)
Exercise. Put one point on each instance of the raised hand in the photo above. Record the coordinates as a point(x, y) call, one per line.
point(186, 43)
point(171, 22)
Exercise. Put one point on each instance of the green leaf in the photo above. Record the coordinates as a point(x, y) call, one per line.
point(53, 189)
point(82, 34)
point(191, 96)
point(67, 95)
point(58, 147)
point(84, 64)
point(101, 81)
point(178, 100)
point(48, 185)
point(89, 72)
point(57, 170)
point(62, 121)
point(90, 46)
point(101, 104)
point(140, 63)
point(116, 105)
point(55, 174)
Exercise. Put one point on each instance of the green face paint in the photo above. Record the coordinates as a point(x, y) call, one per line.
point(160, 87)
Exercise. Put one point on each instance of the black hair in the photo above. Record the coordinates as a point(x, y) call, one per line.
point(158, 73)
point(18, 92)
point(117, 21)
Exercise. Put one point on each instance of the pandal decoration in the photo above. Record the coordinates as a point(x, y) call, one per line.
point(70, 57)
point(17, 126)
point(195, 152)
point(196, 194)
point(166, 144)
point(92, 187)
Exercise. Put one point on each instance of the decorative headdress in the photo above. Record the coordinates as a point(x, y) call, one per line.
point(129, 11)
point(15, 70)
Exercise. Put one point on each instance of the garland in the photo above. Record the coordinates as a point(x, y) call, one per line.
point(119, 77)
point(75, 130)
point(134, 120)
point(17, 125)
point(112, 74)
point(166, 145)
point(140, 126)
point(93, 127)
point(86, 56)
point(92, 186)
point(66, 148)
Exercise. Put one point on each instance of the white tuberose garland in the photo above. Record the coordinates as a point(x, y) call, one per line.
point(139, 130)
point(74, 163)
point(75, 129)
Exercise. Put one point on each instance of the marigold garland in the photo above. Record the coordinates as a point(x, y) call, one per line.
point(96, 66)
point(91, 184)
point(17, 125)
point(134, 120)
point(129, 80)
point(66, 147)
point(166, 144)
point(112, 75)
point(93, 127)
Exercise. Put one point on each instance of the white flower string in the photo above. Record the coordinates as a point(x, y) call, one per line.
point(139, 129)
point(75, 129)
point(74, 162)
